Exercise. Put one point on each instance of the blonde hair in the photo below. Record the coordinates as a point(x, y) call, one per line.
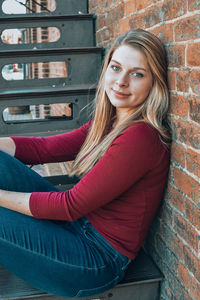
point(152, 111)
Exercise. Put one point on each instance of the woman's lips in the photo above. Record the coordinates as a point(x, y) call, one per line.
point(120, 94)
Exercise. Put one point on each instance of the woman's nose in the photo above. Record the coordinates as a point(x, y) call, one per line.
point(122, 80)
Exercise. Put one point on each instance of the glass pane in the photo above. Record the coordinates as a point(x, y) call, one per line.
point(38, 70)
point(30, 35)
point(40, 112)
point(28, 6)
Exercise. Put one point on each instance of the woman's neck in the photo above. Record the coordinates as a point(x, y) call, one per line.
point(121, 116)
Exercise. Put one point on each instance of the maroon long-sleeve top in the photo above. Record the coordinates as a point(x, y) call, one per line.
point(119, 195)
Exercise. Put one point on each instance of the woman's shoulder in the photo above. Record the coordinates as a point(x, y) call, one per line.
point(143, 129)
point(144, 134)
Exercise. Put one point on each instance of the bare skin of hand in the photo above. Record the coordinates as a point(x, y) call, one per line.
point(7, 145)
point(15, 201)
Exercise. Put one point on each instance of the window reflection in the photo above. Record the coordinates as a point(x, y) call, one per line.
point(28, 6)
point(37, 70)
point(41, 112)
point(30, 35)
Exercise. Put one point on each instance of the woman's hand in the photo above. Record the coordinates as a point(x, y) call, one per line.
point(15, 201)
point(7, 145)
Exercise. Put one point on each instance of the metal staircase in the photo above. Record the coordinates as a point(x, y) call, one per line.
point(73, 50)
point(49, 72)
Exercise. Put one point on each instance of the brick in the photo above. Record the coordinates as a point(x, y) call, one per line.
point(173, 9)
point(193, 55)
point(172, 80)
point(191, 262)
point(192, 213)
point(194, 111)
point(194, 287)
point(129, 7)
point(121, 11)
point(194, 81)
point(111, 17)
point(137, 21)
point(167, 254)
point(175, 286)
point(178, 154)
point(153, 16)
point(178, 106)
point(193, 162)
point(186, 231)
point(143, 4)
point(193, 5)
point(186, 133)
point(173, 241)
point(187, 29)
point(102, 5)
point(176, 55)
point(166, 292)
point(101, 21)
point(187, 185)
point(166, 213)
point(182, 80)
point(164, 32)
point(183, 275)
point(187, 296)
point(104, 35)
point(124, 25)
point(175, 198)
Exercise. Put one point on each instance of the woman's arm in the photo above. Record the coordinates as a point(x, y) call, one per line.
point(15, 201)
point(56, 148)
point(7, 145)
point(130, 157)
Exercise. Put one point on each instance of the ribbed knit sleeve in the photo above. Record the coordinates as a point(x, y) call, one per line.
point(132, 155)
point(57, 148)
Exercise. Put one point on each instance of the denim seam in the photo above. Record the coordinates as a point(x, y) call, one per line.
point(51, 259)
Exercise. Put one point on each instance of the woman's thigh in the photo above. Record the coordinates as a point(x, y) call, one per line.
point(16, 176)
point(63, 258)
point(60, 258)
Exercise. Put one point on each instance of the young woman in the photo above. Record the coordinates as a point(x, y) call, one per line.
point(79, 242)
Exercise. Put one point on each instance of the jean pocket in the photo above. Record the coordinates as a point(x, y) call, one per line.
point(98, 290)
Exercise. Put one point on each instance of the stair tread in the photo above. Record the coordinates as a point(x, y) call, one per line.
point(49, 90)
point(142, 270)
point(21, 52)
point(45, 17)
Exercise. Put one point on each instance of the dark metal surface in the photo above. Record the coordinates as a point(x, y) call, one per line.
point(62, 7)
point(75, 30)
point(80, 115)
point(141, 282)
point(83, 65)
point(142, 269)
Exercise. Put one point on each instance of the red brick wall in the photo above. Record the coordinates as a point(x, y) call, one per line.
point(173, 240)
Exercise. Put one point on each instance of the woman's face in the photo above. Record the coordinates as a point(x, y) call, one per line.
point(128, 79)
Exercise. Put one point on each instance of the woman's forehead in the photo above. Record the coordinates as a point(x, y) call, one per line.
point(130, 57)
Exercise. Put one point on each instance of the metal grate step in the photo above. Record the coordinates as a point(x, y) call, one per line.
point(62, 7)
point(71, 31)
point(141, 282)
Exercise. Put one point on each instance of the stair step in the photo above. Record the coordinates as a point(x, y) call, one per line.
point(141, 282)
point(27, 124)
point(49, 90)
point(81, 65)
point(72, 7)
point(74, 30)
point(78, 95)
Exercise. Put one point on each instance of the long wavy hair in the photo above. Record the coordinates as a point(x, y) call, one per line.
point(152, 111)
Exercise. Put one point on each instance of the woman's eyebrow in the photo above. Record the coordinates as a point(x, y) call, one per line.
point(134, 68)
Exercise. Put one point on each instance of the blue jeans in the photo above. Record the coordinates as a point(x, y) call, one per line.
point(70, 259)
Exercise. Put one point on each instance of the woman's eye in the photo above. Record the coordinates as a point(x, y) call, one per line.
point(115, 68)
point(137, 74)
